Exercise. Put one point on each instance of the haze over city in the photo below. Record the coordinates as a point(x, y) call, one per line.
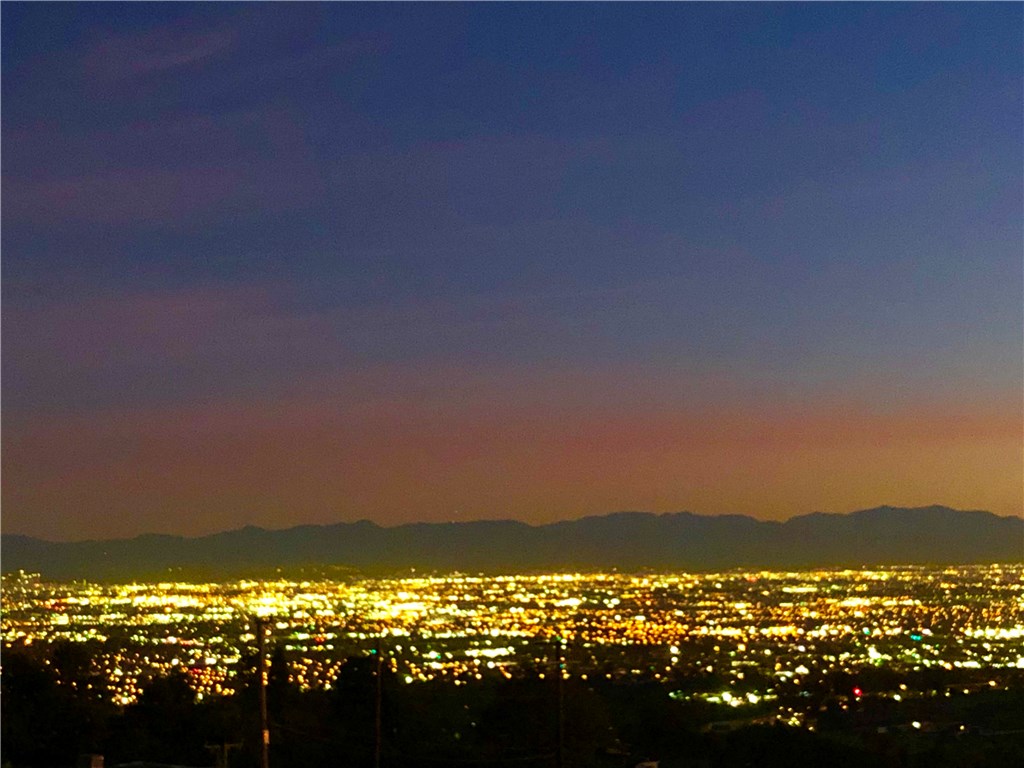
point(279, 264)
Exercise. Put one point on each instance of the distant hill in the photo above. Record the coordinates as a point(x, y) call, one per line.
point(625, 540)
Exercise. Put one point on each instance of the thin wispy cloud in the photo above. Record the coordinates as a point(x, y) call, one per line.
point(130, 195)
point(115, 58)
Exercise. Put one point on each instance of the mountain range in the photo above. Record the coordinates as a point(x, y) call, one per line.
point(624, 541)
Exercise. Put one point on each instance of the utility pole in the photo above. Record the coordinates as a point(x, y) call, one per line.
point(264, 724)
point(560, 671)
point(220, 753)
point(378, 731)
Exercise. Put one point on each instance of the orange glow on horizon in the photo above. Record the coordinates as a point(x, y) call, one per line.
point(313, 461)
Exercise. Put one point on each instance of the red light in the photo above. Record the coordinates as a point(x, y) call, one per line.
point(858, 692)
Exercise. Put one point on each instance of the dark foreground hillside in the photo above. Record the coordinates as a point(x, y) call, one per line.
point(54, 712)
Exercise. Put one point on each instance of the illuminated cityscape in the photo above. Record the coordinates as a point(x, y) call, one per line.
point(738, 639)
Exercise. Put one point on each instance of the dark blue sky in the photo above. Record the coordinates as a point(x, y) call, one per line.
point(507, 214)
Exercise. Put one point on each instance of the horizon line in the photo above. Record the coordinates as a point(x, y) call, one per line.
point(580, 518)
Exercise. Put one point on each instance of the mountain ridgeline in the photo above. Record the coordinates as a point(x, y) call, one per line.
point(624, 541)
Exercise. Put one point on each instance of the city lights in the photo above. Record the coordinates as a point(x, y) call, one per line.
point(757, 635)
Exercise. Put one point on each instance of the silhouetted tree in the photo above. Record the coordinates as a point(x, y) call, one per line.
point(50, 714)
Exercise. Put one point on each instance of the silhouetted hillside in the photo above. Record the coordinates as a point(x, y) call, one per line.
point(625, 540)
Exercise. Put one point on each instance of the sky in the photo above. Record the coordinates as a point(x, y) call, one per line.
point(279, 264)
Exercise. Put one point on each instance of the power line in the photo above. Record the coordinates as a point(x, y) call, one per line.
point(460, 760)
